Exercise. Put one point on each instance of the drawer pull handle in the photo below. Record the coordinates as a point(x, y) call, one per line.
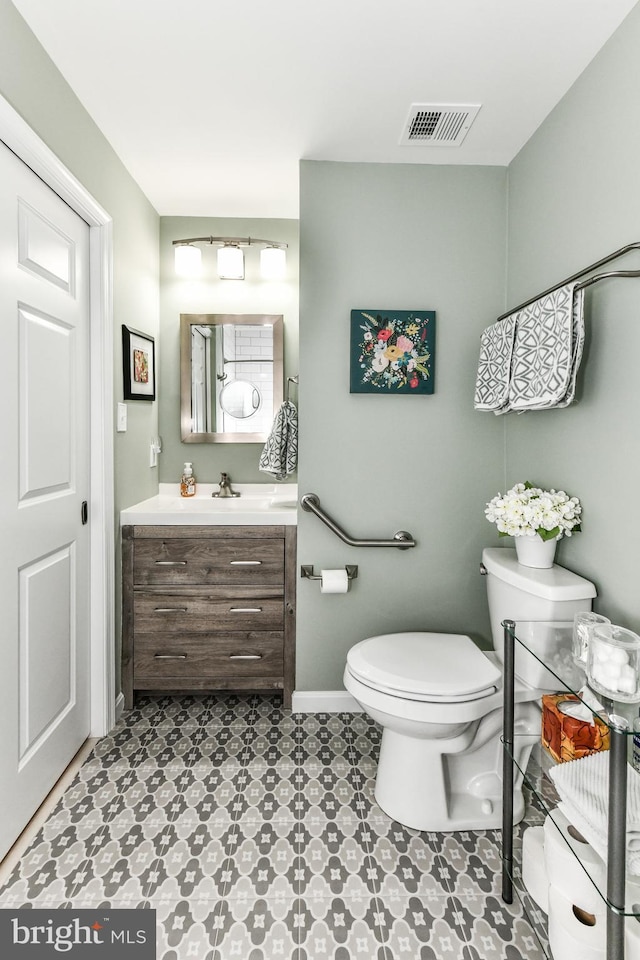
point(170, 610)
point(245, 609)
point(171, 563)
point(169, 656)
point(245, 563)
point(245, 656)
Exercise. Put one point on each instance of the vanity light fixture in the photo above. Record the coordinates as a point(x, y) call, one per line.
point(230, 257)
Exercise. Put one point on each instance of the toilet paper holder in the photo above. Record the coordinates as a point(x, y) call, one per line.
point(306, 571)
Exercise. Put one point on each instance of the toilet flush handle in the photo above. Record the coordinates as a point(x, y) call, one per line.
point(483, 570)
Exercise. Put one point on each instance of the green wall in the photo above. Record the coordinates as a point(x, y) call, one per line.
point(31, 83)
point(574, 198)
point(209, 294)
point(404, 237)
point(38, 92)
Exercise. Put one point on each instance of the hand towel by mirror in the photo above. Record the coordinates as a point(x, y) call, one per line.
point(280, 453)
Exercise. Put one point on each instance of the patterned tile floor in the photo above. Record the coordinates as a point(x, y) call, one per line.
point(254, 834)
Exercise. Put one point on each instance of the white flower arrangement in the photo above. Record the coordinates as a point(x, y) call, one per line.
point(528, 511)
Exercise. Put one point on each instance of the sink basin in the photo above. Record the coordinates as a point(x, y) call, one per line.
point(257, 505)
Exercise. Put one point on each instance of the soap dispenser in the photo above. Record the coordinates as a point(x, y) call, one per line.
point(187, 481)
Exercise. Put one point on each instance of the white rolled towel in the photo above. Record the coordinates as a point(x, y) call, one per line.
point(583, 787)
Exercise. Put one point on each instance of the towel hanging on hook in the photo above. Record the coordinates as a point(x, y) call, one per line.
point(280, 453)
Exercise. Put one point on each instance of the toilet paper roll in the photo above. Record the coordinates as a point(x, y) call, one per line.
point(534, 870)
point(575, 933)
point(564, 853)
point(572, 936)
point(334, 581)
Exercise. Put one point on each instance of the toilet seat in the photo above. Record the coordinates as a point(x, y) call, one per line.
point(428, 667)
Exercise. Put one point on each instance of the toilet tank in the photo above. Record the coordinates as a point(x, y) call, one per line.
point(542, 604)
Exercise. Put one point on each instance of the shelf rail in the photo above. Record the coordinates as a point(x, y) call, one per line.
point(311, 503)
point(582, 273)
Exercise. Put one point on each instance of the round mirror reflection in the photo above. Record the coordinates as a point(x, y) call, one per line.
point(240, 399)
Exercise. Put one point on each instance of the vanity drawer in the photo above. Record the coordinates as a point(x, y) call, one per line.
point(177, 614)
point(232, 561)
point(243, 654)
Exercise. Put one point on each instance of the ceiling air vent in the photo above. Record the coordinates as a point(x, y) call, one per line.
point(438, 124)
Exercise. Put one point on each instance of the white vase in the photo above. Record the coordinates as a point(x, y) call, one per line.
point(535, 552)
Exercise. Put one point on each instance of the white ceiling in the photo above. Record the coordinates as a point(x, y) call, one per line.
point(211, 104)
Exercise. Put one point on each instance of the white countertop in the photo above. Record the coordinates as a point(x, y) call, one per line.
point(259, 504)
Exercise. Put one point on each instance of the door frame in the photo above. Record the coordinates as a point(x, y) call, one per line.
point(34, 152)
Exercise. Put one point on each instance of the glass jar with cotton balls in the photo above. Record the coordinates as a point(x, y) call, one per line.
point(584, 622)
point(613, 662)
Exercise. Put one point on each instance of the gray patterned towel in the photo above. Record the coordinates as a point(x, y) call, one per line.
point(577, 345)
point(494, 366)
point(546, 354)
point(280, 453)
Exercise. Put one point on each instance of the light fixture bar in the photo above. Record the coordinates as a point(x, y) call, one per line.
point(237, 241)
point(230, 257)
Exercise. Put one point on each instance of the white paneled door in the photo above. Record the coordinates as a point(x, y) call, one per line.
point(44, 482)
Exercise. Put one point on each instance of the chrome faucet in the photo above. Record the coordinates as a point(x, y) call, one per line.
point(225, 487)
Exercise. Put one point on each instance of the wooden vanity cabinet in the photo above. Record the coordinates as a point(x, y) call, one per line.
point(208, 608)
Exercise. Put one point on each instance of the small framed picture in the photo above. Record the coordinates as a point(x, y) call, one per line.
point(139, 365)
point(393, 351)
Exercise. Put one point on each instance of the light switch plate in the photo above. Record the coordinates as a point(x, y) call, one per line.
point(121, 421)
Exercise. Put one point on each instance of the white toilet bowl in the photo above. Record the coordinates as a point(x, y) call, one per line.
point(438, 699)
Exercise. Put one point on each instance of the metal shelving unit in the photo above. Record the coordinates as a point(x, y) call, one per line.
point(620, 729)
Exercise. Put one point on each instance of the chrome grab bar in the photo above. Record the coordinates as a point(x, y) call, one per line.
point(311, 503)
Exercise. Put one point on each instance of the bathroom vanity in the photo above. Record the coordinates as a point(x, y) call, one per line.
point(208, 595)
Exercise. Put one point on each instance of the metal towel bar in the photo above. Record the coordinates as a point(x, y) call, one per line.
point(311, 503)
point(582, 273)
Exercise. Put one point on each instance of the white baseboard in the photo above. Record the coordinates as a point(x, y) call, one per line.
point(324, 701)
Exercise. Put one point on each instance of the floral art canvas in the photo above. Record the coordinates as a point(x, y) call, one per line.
point(392, 351)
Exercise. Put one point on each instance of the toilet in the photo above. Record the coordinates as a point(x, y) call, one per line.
point(438, 698)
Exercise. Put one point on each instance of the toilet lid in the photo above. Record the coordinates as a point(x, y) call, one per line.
point(444, 666)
